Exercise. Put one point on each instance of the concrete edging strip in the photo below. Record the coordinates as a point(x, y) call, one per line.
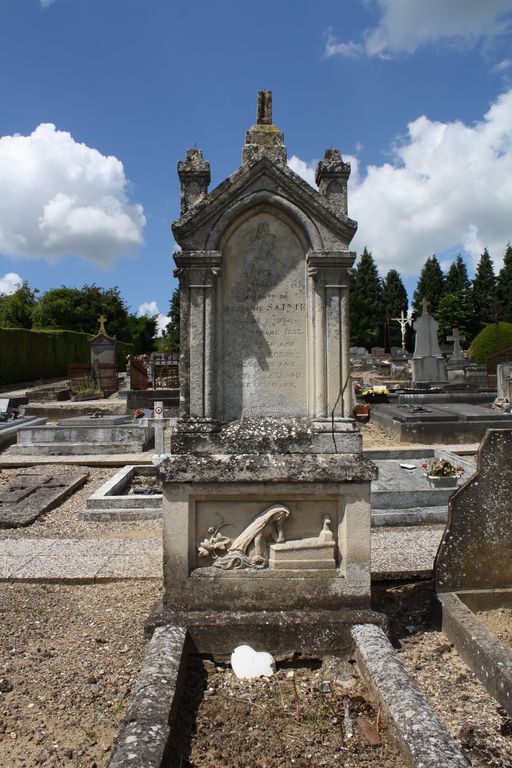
point(147, 724)
point(422, 739)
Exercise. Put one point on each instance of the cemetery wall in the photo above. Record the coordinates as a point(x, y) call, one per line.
point(29, 355)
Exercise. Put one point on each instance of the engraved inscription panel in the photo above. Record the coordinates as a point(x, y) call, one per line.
point(263, 311)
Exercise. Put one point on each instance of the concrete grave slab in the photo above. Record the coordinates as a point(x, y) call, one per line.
point(32, 493)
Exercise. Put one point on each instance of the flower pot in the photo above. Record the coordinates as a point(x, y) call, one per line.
point(443, 481)
point(362, 413)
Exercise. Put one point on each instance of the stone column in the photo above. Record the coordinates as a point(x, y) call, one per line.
point(329, 273)
point(197, 272)
point(348, 399)
point(319, 379)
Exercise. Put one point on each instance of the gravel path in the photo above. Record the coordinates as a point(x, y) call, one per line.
point(67, 664)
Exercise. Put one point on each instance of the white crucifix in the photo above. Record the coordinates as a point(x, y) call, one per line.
point(403, 320)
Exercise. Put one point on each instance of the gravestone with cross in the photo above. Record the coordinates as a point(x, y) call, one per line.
point(457, 354)
point(103, 358)
point(428, 364)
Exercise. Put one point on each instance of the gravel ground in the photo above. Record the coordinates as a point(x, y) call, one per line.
point(498, 621)
point(62, 522)
point(474, 719)
point(68, 658)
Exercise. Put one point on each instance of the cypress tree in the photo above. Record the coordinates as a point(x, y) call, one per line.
point(504, 286)
point(430, 285)
point(483, 293)
point(457, 280)
point(366, 304)
point(395, 299)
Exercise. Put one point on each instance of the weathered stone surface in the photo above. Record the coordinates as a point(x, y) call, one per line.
point(264, 321)
point(490, 660)
point(476, 545)
point(33, 492)
point(312, 633)
point(308, 468)
point(147, 724)
point(267, 435)
point(420, 734)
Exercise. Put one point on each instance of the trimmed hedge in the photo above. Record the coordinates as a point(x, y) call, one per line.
point(490, 339)
point(27, 355)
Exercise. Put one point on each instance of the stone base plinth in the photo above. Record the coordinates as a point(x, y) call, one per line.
point(285, 634)
point(220, 521)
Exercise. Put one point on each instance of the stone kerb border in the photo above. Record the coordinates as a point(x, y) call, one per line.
point(420, 735)
point(490, 660)
point(147, 724)
point(108, 503)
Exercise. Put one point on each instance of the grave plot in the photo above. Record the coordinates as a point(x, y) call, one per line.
point(473, 567)
point(436, 423)
point(403, 495)
point(134, 493)
point(34, 492)
point(84, 435)
point(303, 715)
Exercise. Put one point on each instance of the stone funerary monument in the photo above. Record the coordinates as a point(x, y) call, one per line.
point(267, 494)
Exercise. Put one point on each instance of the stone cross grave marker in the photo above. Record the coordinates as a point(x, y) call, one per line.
point(456, 337)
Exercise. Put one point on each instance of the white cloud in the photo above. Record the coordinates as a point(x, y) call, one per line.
point(9, 283)
point(406, 25)
point(59, 197)
point(449, 187)
point(47, 3)
point(305, 170)
point(150, 309)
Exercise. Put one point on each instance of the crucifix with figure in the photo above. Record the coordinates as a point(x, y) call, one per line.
point(403, 320)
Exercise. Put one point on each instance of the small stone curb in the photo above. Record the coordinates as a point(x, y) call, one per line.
point(147, 724)
point(419, 733)
point(483, 652)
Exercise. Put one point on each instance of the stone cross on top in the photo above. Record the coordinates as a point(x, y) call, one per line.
point(264, 111)
point(456, 337)
point(424, 305)
point(102, 320)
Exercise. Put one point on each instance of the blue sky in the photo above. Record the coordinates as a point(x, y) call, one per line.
point(99, 99)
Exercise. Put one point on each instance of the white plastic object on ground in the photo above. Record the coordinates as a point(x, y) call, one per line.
point(248, 663)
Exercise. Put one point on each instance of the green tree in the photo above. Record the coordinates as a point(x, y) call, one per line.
point(78, 310)
point(170, 339)
point(453, 311)
point(16, 309)
point(142, 331)
point(483, 293)
point(394, 298)
point(504, 286)
point(457, 280)
point(430, 285)
point(366, 304)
